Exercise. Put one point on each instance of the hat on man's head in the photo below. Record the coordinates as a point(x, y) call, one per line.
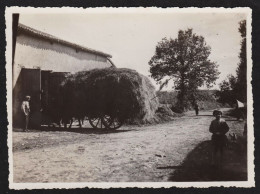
point(216, 112)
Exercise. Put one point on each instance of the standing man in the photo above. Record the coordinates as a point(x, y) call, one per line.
point(218, 128)
point(26, 111)
point(196, 107)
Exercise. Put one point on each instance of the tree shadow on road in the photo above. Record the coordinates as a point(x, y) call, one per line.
point(197, 165)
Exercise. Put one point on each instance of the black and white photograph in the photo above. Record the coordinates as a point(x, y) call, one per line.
point(129, 97)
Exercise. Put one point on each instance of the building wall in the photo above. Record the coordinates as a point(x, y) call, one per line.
point(37, 55)
point(34, 52)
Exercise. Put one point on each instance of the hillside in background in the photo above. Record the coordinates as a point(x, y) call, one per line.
point(205, 98)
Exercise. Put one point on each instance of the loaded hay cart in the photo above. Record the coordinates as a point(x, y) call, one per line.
point(108, 97)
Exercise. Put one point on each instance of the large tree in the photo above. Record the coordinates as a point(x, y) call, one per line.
point(185, 60)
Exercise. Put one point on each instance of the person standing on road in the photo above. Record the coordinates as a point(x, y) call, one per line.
point(218, 128)
point(196, 108)
point(26, 111)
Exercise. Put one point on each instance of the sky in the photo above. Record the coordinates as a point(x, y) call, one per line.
point(131, 38)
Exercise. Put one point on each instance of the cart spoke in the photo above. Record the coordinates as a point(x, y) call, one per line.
point(97, 122)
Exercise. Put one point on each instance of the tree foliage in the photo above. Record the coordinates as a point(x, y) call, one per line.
point(185, 61)
point(236, 87)
point(241, 85)
point(226, 93)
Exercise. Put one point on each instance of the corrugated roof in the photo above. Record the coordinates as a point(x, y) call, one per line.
point(29, 30)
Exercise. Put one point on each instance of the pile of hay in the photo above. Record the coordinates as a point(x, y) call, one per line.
point(165, 110)
point(164, 114)
point(114, 91)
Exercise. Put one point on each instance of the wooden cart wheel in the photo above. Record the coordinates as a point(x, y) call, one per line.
point(112, 122)
point(97, 123)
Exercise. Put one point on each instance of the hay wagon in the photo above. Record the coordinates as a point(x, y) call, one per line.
point(97, 116)
point(99, 113)
point(107, 97)
point(94, 100)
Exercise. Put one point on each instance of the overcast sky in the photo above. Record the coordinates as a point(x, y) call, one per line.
point(131, 38)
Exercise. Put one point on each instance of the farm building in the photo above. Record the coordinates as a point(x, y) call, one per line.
point(41, 63)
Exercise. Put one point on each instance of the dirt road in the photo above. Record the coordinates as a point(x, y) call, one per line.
point(148, 153)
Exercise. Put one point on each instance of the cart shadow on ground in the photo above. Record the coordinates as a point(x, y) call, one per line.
point(197, 165)
point(83, 130)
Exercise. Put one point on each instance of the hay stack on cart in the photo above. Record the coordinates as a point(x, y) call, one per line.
point(109, 96)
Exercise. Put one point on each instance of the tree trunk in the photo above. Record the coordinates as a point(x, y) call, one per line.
point(182, 94)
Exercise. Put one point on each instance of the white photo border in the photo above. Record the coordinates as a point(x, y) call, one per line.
point(69, 10)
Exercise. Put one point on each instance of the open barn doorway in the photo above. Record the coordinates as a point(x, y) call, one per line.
point(44, 87)
point(51, 96)
point(28, 84)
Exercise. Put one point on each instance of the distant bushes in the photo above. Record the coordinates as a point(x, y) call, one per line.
point(166, 97)
point(206, 100)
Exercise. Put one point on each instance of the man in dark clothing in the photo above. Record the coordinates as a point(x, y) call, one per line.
point(218, 128)
point(196, 107)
